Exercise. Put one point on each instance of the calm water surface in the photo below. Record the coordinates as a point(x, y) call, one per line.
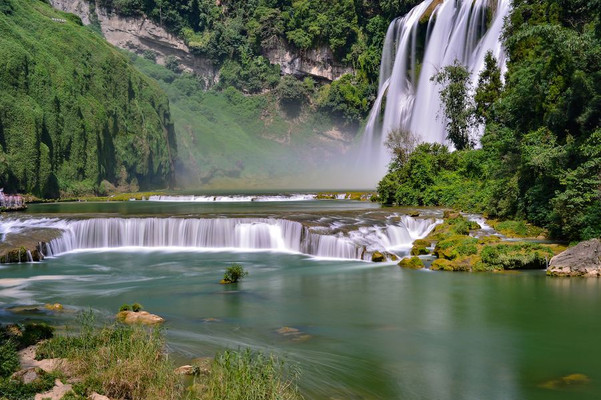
point(365, 331)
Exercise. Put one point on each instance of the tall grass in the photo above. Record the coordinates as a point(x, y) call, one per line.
point(247, 375)
point(129, 362)
point(120, 361)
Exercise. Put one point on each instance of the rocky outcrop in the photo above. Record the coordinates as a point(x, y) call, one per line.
point(139, 34)
point(584, 259)
point(26, 246)
point(318, 63)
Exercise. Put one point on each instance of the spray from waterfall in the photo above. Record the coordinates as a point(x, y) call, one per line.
point(431, 36)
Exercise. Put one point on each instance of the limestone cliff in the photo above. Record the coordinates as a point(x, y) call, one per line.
point(140, 34)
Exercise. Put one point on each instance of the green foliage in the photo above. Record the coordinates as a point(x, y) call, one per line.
point(33, 333)
point(516, 256)
point(454, 94)
point(248, 375)
point(125, 307)
point(291, 92)
point(234, 273)
point(488, 90)
point(347, 98)
point(11, 389)
point(9, 359)
point(136, 307)
point(73, 112)
point(540, 159)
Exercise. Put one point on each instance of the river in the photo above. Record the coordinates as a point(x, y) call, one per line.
point(356, 329)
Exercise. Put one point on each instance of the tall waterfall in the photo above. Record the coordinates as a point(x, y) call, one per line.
point(431, 36)
point(224, 233)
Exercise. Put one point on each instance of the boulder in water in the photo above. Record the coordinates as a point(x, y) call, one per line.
point(140, 317)
point(377, 257)
point(584, 259)
point(54, 307)
point(411, 263)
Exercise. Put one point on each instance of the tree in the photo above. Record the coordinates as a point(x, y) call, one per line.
point(457, 103)
point(489, 88)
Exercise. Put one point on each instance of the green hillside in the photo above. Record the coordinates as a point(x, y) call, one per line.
point(73, 111)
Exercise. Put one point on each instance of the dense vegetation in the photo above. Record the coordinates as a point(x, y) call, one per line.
point(541, 151)
point(235, 35)
point(75, 116)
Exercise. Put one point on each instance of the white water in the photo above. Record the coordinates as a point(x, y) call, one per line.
point(245, 234)
point(456, 30)
point(232, 198)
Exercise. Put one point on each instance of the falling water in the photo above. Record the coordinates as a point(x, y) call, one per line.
point(431, 36)
point(246, 234)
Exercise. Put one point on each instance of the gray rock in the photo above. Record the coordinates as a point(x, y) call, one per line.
point(584, 259)
point(27, 375)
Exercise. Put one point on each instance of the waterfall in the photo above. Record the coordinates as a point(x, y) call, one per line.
point(333, 240)
point(431, 36)
point(244, 234)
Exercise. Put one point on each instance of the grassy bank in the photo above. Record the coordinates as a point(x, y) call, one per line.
point(130, 362)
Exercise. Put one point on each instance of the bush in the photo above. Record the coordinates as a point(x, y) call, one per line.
point(136, 307)
point(34, 333)
point(9, 359)
point(234, 273)
point(125, 307)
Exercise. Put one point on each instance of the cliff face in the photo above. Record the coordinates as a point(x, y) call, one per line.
point(139, 34)
point(318, 63)
point(73, 111)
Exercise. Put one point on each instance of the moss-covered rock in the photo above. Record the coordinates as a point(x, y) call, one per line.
point(458, 264)
point(411, 263)
point(420, 247)
point(456, 246)
point(519, 255)
point(377, 257)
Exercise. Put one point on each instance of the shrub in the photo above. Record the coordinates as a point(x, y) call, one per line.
point(136, 307)
point(234, 273)
point(125, 307)
point(34, 333)
point(9, 359)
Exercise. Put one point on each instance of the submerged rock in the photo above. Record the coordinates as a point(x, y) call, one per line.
point(584, 259)
point(572, 379)
point(54, 307)
point(140, 317)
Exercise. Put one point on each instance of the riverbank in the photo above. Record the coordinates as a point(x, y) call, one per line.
point(118, 361)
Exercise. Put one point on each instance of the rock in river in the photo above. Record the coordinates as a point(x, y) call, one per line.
point(584, 259)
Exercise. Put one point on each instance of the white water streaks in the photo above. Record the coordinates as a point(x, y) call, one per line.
point(231, 198)
point(239, 234)
point(432, 35)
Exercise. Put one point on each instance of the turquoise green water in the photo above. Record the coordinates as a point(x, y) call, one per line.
point(365, 331)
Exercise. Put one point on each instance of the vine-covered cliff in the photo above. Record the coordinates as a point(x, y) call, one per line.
point(74, 114)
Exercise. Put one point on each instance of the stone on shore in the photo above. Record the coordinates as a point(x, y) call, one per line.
point(584, 259)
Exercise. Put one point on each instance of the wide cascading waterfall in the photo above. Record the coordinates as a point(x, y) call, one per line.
point(244, 234)
point(431, 36)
